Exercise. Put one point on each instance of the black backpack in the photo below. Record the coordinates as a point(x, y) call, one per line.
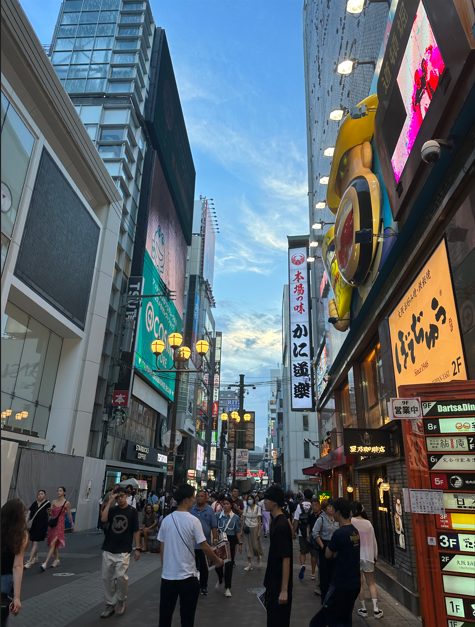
point(305, 509)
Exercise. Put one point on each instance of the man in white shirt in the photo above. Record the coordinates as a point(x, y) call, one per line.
point(179, 532)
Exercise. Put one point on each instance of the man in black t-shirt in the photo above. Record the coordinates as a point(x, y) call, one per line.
point(278, 577)
point(122, 529)
point(344, 548)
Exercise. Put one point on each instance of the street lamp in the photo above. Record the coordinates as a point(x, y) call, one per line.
point(181, 355)
point(348, 65)
point(321, 204)
point(318, 226)
point(336, 115)
point(236, 419)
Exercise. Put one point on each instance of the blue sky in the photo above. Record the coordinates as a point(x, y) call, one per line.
point(239, 70)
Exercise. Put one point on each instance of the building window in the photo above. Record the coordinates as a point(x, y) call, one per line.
point(104, 43)
point(90, 114)
point(64, 44)
point(82, 43)
point(119, 88)
point(373, 384)
point(305, 422)
point(111, 151)
point(346, 403)
point(306, 450)
point(123, 72)
point(115, 116)
point(72, 5)
point(128, 31)
point(85, 30)
point(30, 359)
point(112, 134)
point(17, 146)
point(134, 18)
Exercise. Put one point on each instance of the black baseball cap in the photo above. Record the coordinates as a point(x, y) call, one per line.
point(276, 494)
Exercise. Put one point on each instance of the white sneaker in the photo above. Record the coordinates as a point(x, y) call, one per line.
point(378, 613)
point(219, 585)
point(227, 593)
point(362, 611)
point(249, 567)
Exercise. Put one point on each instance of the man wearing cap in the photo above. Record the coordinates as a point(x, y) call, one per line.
point(278, 577)
point(121, 531)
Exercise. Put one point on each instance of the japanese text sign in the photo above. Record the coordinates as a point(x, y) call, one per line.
point(300, 340)
point(405, 408)
point(425, 337)
point(366, 442)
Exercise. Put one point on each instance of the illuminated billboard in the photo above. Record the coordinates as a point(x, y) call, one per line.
point(418, 80)
point(425, 337)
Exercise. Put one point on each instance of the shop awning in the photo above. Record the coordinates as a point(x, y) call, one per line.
point(311, 471)
point(332, 460)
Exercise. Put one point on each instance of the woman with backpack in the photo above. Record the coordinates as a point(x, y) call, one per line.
point(229, 528)
point(322, 532)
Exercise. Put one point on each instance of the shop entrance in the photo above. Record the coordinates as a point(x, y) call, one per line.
point(381, 506)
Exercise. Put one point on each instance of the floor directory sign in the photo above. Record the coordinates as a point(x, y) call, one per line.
point(440, 460)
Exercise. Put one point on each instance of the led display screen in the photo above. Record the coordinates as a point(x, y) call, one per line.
point(418, 80)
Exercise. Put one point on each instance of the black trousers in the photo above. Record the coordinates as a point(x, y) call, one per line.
point(202, 566)
point(188, 590)
point(228, 567)
point(325, 568)
point(337, 609)
point(277, 615)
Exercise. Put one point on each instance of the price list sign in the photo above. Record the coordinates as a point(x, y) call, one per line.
point(449, 439)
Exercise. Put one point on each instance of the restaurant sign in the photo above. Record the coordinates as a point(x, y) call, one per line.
point(366, 442)
point(425, 337)
point(300, 339)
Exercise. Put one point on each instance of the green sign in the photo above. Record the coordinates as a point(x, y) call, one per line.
point(158, 318)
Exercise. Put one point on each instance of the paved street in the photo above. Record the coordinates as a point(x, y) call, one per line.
point(72, 595)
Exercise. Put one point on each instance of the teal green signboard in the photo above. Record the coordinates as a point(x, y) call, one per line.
point(158, 318)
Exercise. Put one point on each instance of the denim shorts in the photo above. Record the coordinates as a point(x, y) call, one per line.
point(366, 566)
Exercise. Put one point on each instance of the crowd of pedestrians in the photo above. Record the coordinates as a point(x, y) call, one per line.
point(196, 535)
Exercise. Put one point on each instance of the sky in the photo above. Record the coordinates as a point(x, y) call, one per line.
point(240, 74)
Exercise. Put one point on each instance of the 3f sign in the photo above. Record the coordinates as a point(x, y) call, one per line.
point(448, 543)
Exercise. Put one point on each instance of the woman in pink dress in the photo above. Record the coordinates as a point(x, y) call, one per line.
point(60, 508)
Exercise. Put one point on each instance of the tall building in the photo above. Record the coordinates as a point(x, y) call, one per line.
point(398, 282)
point(61, 215)
point(116, 66)
point(275, 422)
point(101, 52)
point(197, 416)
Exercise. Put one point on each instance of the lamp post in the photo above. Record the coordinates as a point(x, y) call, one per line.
point(181, 355)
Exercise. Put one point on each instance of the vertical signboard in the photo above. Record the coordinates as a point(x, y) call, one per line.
point(299, 332)
point(440, 461)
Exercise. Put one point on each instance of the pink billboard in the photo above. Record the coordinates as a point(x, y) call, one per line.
point(418, 80)
point(166, 245)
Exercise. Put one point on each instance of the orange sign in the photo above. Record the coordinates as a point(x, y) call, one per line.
point(425, 336)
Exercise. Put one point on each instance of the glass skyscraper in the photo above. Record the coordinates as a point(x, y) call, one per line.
point(101, 52)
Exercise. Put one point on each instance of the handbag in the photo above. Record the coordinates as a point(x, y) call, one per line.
point(224, 535)
point(29, 523)
point(52, 522)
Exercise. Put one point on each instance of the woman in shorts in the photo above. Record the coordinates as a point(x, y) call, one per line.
point(368, 557)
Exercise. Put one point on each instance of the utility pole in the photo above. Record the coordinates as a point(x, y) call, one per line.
point(241, 389)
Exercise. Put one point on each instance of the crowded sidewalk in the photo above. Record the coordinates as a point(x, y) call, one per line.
point(72, 595)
